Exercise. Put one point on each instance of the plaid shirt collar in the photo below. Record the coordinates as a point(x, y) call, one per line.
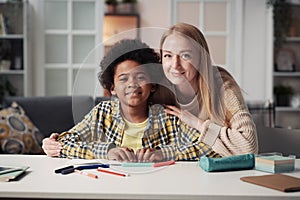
point(157, 116)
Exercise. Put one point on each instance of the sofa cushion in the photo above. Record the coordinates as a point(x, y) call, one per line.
point(18, 135)
point(54, 113)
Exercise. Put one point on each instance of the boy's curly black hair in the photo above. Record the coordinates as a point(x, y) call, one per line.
point(129, 49)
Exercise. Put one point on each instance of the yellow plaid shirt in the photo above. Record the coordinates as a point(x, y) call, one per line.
point(103, 128)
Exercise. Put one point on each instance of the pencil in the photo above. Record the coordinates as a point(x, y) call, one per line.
point(112, 172)
point(85, 173)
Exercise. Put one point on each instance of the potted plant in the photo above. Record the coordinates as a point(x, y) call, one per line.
point(111, 6)
point(282, 16)
point(283, 93)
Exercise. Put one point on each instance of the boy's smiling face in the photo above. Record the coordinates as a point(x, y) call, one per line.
point(132, 84)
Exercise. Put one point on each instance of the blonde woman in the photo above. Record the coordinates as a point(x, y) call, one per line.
point(204, 96)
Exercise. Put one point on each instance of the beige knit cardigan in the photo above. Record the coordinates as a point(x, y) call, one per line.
point(239, 136)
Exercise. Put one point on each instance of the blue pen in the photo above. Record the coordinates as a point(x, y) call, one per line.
point(71, 169)
point(92, 166)
point(64, 168)
point(67, 171)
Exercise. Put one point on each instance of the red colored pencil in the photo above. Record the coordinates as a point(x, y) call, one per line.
point(112, 172)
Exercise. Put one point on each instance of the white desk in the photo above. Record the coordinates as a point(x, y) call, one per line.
point(184, 180)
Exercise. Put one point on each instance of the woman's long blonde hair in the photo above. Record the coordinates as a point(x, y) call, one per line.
point(211, 89)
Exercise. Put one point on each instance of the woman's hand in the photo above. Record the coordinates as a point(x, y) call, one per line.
point(50, 146)
point(122, 154)
point(184, 116)
point(149, 155)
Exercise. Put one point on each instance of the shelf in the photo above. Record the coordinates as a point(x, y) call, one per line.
point(11, 72)
point(122, 14)
point(288, 57)
point(12, 36)
point(292, 39)
point(286, 74)
point(17, 46)
point(287, 109)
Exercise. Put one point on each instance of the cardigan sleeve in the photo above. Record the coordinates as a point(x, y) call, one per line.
point(239, 135)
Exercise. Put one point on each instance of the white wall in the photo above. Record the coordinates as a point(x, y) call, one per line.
point(154, 20)
point(257, 44)
point(155, 13)
point(255, 73)
point(37, 48)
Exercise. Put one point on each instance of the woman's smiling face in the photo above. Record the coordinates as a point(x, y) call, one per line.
point(180, 58)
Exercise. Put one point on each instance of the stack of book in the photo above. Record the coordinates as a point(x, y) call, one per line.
point(274, 163)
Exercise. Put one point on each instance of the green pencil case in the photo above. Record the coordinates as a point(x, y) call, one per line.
point(230, 163)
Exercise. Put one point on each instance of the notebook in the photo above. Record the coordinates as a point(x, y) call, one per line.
point(281, 182)
point(275, 160)
point(13, 175)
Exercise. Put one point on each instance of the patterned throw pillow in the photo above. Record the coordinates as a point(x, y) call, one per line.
point(18, 135)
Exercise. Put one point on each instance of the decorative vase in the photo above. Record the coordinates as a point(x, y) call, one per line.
point(295, 101)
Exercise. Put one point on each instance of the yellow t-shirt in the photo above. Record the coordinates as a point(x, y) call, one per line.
point(133, 134)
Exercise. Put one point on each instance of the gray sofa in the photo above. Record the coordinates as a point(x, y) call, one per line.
point(55, 113)
point(48, 114)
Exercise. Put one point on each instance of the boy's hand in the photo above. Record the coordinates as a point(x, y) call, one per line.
point(50, 146)
point(122, 154)
point(149, 155)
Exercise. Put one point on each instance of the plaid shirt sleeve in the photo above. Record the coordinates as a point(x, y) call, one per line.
point(85, 140)
point(187, 144)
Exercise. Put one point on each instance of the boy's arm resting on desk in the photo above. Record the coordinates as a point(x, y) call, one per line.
point(83, 141)
point(74, 147)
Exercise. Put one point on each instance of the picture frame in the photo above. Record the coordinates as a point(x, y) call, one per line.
point(285, 60)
